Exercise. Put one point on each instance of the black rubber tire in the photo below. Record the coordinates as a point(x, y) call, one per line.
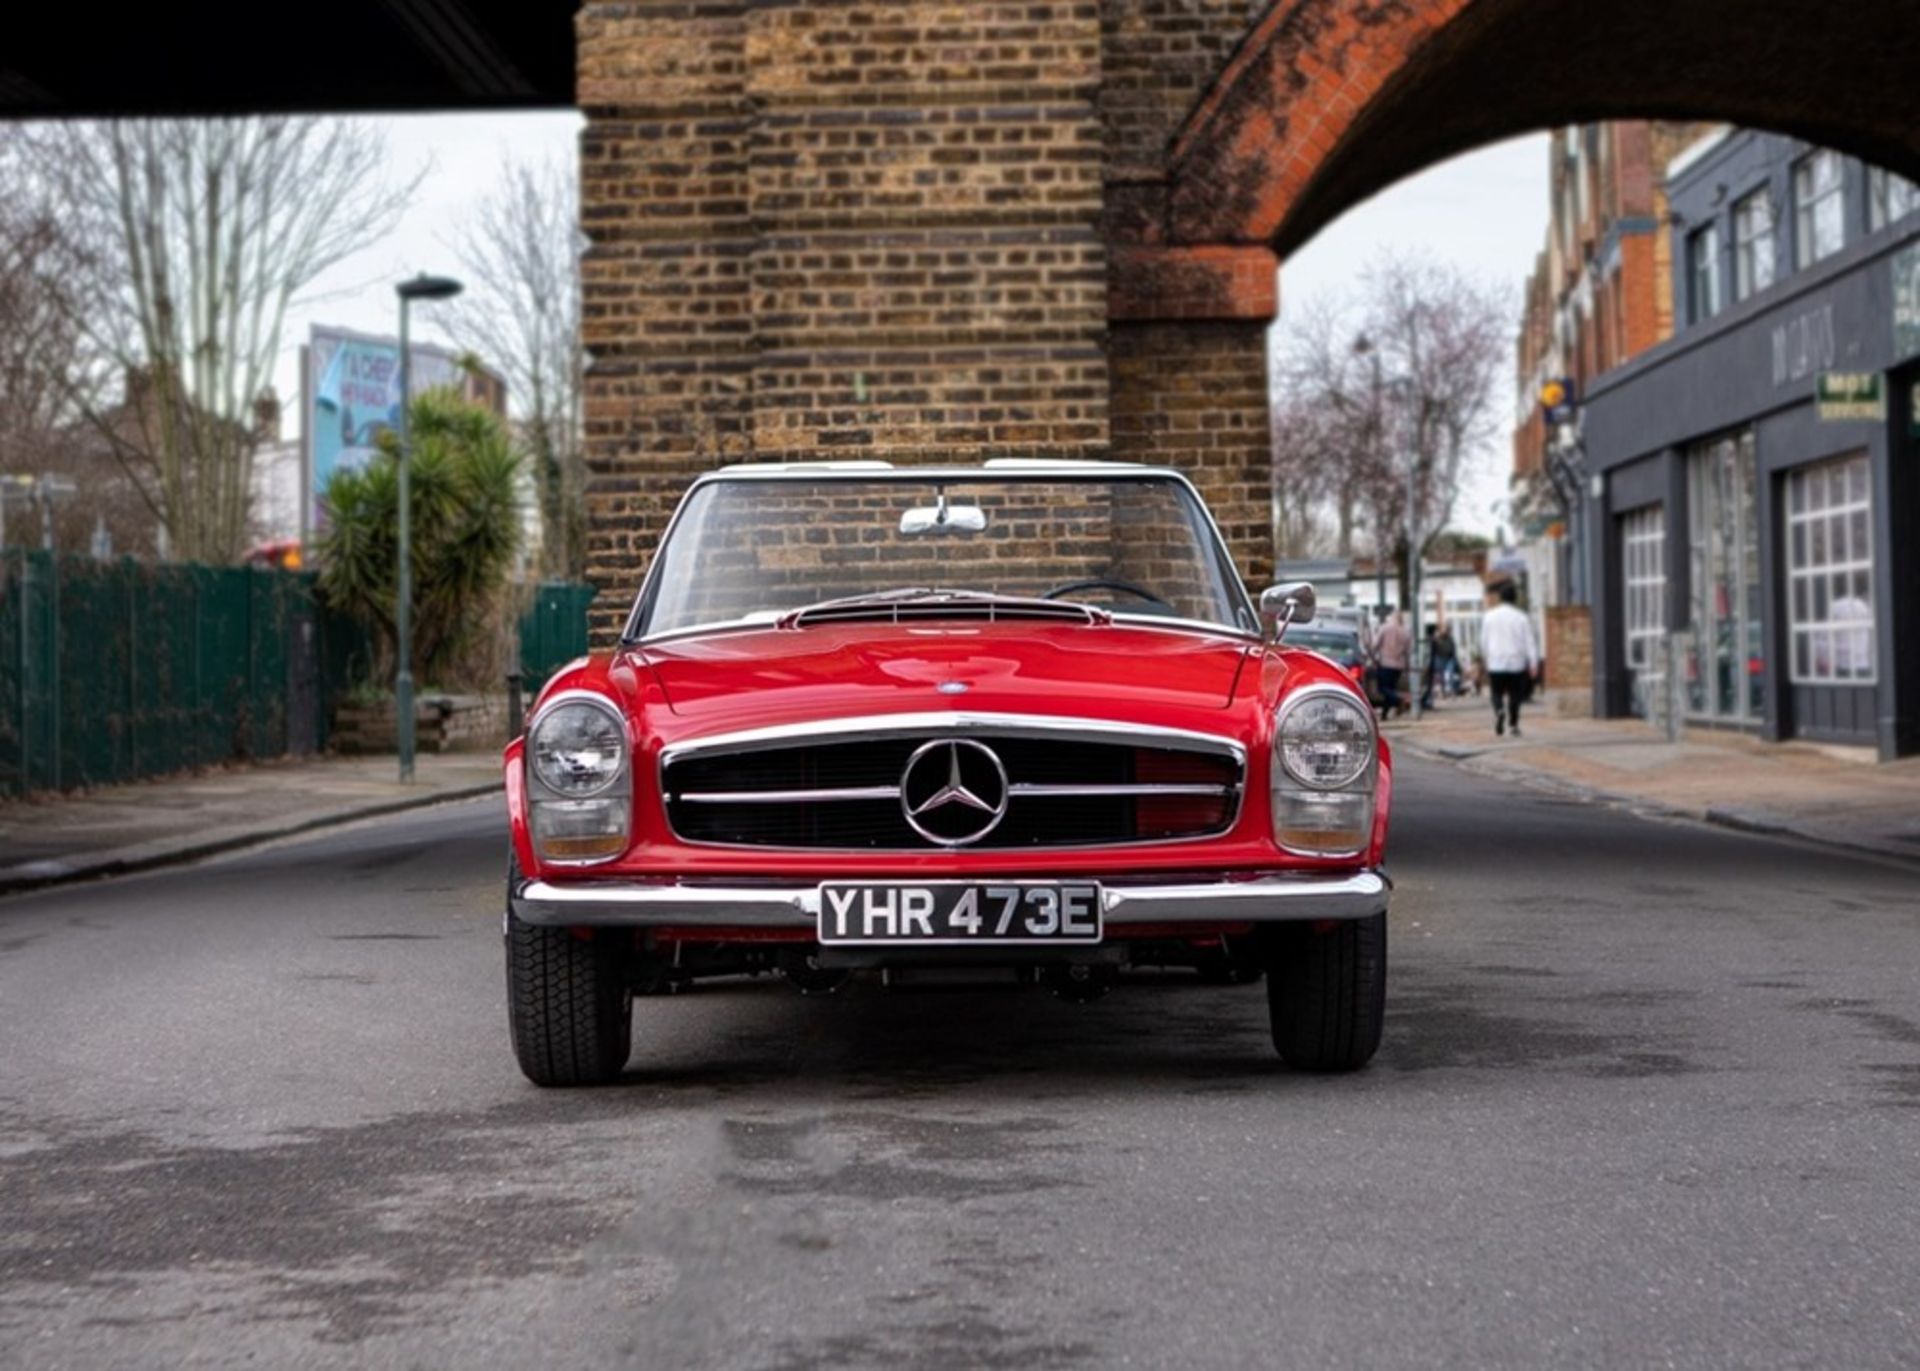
point(568, 1004)
point(1327, 992)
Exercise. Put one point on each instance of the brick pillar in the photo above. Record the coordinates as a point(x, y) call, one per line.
point(857, 229)
point(1193, 395)
point(666, 292)
point(1187, 339)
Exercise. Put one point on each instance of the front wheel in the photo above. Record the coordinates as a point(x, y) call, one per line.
point(568, 1004)
point(1327, 992)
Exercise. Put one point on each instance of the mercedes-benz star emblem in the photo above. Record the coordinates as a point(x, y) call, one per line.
point(954, 791)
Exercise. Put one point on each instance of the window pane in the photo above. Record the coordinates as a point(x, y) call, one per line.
point(1799, 600)
point(1819, 614)
point(1859, 547)
point(1857, 479)
point(1818, 554)
point(1799, 556)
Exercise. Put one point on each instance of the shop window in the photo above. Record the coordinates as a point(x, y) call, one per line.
point(1820, 228)
point(1703, 269)
point(1830, 573)
point(1753, 240)
point(1643, 559)
point(1889, 198)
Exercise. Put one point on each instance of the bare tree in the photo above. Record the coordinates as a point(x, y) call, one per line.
point(38, 349)
point(184, 242)
point(1329, 428)
point(521, 251)
point(40, 355)
point(1406, 387)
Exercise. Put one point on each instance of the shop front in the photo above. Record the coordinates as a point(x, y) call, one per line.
point(1755, 513)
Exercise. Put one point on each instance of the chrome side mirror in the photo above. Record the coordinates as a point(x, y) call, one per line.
point(1287, 604)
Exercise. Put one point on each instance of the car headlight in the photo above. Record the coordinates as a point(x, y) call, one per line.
point(1324, 748)
point(579, 812)
point(1326, 740)
point(577, 749)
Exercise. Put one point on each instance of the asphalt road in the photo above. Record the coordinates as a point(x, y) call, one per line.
point(1650, 1096)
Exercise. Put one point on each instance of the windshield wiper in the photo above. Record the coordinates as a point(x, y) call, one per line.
point(898, 595)
point(924, 600)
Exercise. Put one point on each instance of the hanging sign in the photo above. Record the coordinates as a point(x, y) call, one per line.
point(1850, 396)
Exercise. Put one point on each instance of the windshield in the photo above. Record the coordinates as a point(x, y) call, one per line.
point(757, 548)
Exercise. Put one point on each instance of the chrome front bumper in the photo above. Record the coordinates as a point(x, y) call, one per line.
point(1278, 898)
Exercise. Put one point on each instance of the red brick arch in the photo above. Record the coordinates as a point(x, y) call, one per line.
point(1326, 102)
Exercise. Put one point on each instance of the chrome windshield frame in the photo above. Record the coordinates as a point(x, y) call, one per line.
point(1012, 473)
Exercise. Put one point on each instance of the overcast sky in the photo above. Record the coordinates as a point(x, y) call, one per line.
point(1485, 212)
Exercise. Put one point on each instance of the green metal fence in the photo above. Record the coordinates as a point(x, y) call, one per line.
point(115, 671)
point(553, 631)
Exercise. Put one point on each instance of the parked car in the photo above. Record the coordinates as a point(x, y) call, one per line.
point(1341, 646)
point(1022, 716)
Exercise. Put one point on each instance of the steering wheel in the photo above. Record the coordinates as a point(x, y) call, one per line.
point(1101, 583)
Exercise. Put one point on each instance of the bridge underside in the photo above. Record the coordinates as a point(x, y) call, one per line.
point(233, 56)
point(912, 229)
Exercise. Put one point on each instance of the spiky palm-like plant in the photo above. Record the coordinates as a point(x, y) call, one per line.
point(466, 531)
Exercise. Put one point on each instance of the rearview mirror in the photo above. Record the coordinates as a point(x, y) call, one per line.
point(1287, 604)
point(943, 520)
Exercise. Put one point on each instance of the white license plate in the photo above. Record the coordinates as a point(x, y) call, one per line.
point(955, 913)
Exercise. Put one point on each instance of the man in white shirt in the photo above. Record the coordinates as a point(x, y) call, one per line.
point(1512, 654)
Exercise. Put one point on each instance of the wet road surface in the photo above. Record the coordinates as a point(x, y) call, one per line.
point(1650, 1095)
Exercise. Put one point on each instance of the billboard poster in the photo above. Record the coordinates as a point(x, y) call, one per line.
point(353, 396)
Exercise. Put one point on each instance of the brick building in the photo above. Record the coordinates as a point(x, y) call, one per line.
point(1752, 479)
point(1601, 293)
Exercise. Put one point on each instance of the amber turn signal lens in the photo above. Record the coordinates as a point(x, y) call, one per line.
point(1321, 840)
point(575, 849)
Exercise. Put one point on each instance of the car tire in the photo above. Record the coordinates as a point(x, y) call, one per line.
point(568, 1004)
point(1327, 992)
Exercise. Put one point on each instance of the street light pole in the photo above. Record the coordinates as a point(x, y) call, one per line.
point(1376, 439)
point(421, 287)
point(1416, 636)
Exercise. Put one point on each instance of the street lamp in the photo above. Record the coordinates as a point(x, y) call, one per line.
point(421, 287)
point(1363, 347)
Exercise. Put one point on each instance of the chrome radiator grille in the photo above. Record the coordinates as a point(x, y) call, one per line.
point(963, 790)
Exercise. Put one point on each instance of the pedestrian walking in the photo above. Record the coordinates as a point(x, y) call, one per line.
point(1391, 651)
point(1512, 656)
point(1433, 669)
point(1446, 661)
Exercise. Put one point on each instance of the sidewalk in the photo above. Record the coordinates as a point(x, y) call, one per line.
point(118, 829)
point(1832, 795)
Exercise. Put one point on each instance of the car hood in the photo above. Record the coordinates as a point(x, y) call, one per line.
point(748, 679)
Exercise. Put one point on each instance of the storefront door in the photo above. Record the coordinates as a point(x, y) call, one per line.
point(1643, 562)
point(1726, 681)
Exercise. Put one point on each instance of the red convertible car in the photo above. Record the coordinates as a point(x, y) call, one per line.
point(1021, 719)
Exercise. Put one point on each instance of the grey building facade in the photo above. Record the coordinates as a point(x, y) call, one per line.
point(1754, 482)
